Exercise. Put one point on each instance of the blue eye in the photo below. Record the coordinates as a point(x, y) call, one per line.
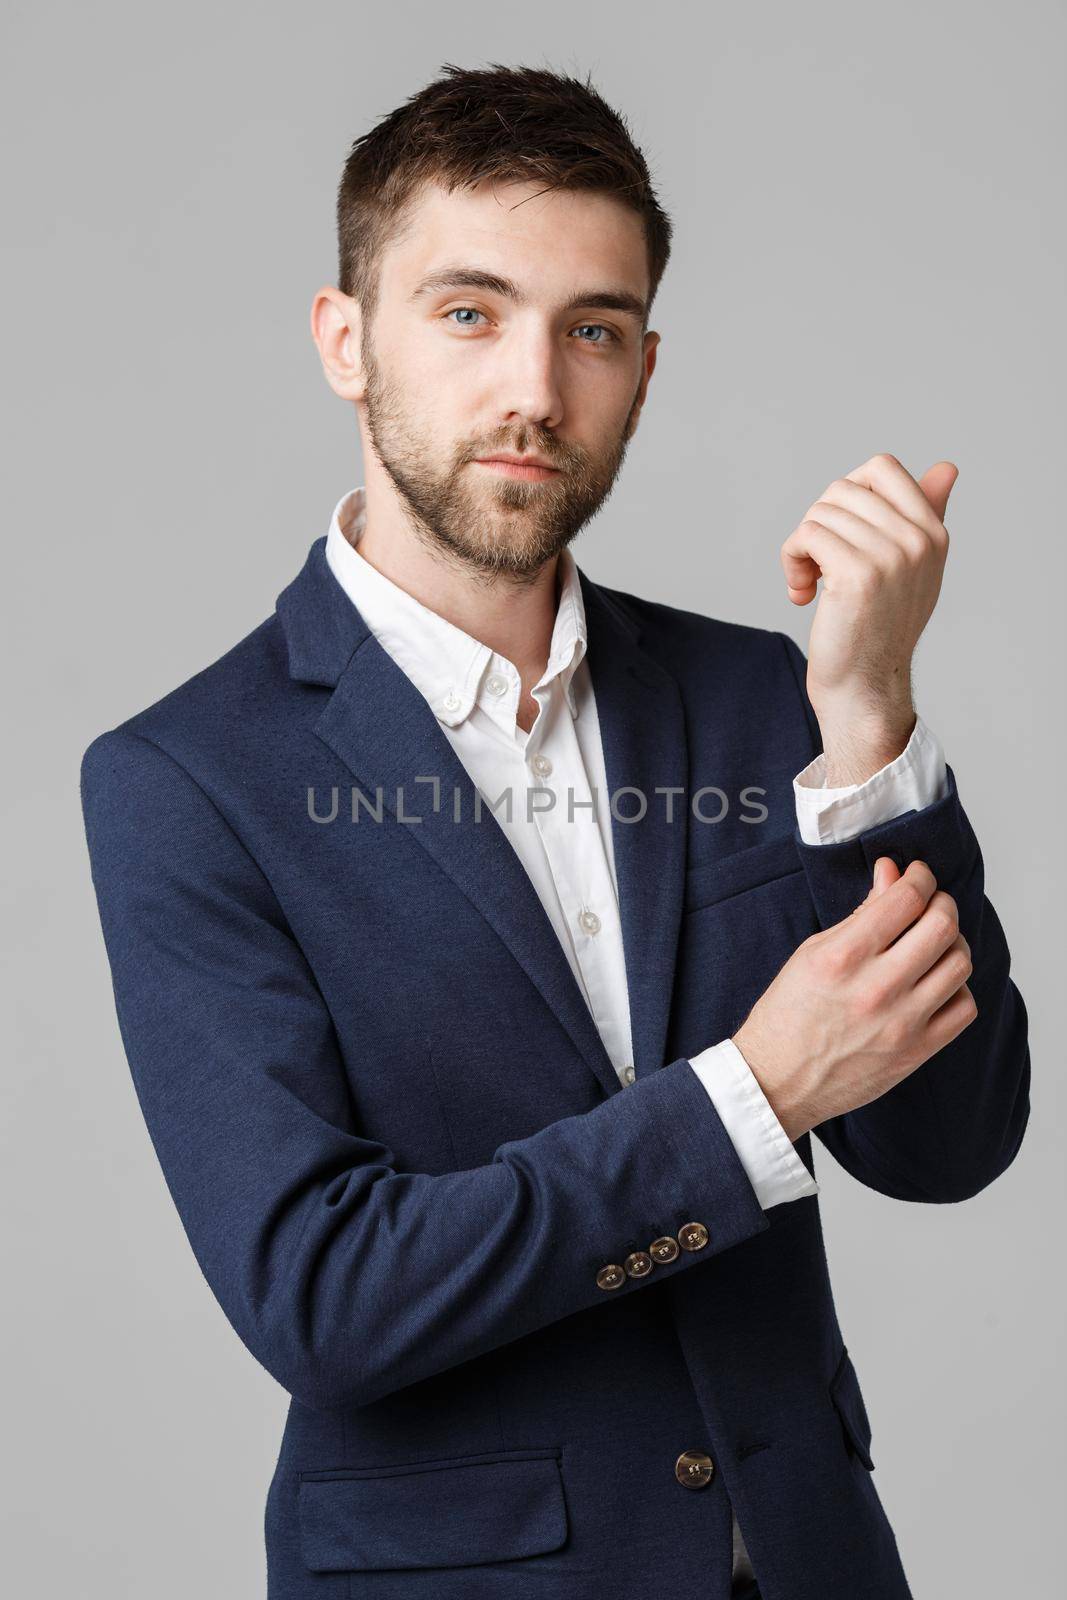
point(602, 328)
point(610, 338)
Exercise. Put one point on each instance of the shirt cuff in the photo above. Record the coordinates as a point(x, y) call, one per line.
point(771, 1164)
point(913, 781)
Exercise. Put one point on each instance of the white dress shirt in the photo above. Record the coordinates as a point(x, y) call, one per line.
point(541, 784)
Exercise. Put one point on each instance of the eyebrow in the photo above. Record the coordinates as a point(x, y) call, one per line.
point(463, 277)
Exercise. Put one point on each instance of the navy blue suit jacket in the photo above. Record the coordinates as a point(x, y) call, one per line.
point(402, 1156)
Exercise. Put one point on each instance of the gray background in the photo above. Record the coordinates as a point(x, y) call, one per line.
point(868, 256)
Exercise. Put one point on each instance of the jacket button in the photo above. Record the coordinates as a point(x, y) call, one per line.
point(610, 1277)
point(663, 1249)
point(693, 1236)
point(694, 1469)
point(638, 1263)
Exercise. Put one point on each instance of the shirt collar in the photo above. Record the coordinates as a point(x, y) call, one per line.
point(446, 665)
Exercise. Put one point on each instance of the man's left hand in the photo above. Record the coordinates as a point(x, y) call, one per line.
point(877, 539)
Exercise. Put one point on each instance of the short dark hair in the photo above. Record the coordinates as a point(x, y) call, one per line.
point(509, 124)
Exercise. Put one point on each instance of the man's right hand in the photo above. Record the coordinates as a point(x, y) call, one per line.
point(860, 1005)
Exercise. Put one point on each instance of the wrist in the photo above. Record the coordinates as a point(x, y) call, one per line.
point(786, 1103)
point(857, 743)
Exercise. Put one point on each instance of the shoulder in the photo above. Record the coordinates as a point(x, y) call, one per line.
point(209, 710)
point(687, 641)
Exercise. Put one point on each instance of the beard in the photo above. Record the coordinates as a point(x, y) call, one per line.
point(497, 527)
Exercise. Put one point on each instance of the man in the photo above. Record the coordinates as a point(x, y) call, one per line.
point(488, 943)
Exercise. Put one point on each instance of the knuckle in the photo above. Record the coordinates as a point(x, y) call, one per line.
point(833, 960)
point(897, 1035)
point(941, 897)
point(943, 911)
point(962, 1013)
point(908, 890)
point(959, 965)
point(873, 999)
point(941, 923)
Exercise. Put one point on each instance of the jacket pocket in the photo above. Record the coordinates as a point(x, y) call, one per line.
point(449, 1513)
point(711, 881)
point(848, 1399)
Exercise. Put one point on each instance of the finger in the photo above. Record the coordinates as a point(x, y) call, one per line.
point(869, 507)
point(884, 545)
point(891, 479)
point(937, 487)
point(944, 976)
point(876, 923)
point(837, 560)
point(923, 942)
point(802, 580)
point(950, 1020)
point(886, 872)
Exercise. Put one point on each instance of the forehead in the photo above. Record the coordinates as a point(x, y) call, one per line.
point(540, 238)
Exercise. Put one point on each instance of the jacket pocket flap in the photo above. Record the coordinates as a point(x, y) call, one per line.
point(453, 1513)
point(847, 1397)
point(711, 881)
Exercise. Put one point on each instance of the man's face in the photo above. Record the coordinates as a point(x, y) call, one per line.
point(457, 370)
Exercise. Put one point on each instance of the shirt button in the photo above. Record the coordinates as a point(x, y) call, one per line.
point(541, 765)
point(451, 701)
point(589, 921)
point(496, 684)
point(628, 1074)
point(693, 1469)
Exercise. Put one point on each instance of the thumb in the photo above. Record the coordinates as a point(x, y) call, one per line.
point(886, 872)
point(937, 483)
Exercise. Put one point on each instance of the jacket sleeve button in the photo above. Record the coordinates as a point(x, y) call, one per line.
point(664, 1248)
point(693, 1236)
point(638, 1264)
point(610, 1277)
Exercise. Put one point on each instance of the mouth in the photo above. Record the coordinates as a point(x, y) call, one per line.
point(532, 471)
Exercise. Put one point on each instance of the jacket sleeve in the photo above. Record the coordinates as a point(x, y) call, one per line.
point(952, 1126)
point(346, 1278)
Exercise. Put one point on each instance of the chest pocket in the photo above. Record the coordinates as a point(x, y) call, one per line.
point(452, 1513)
point(743, 916)
point(712, 881)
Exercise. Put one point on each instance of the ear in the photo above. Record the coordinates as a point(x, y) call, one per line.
point(337, 329)
point(648, 366)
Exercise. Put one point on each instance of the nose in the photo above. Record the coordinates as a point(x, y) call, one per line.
point(528, 388)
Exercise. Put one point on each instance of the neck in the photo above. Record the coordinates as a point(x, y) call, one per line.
point(514, 619)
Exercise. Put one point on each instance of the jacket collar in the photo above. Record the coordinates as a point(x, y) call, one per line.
point(382, 729)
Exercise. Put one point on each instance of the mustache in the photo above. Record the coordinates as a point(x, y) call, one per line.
point(550, 450)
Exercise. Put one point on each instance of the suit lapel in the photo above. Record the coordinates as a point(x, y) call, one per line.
point(642, 726)
point(378, 724)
